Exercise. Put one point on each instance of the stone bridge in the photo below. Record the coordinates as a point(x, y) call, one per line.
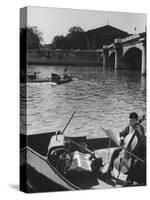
point(126, 53)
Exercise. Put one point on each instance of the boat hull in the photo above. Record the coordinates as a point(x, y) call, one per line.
point(61, 81)
point(38, 80)
point(40, 173)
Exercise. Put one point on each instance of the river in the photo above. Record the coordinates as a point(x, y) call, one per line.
point(100, 97)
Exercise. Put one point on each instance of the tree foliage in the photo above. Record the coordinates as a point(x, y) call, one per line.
point(31, 36)
point(75, 29)
point(75, 39)
point(59, 42)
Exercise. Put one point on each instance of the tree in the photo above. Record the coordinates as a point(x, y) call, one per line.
point(59, 42)
point(75, 39)
point(31, 36)
point(75, 29)
point(37, 33)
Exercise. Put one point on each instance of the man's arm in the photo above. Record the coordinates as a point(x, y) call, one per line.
point(141, 135)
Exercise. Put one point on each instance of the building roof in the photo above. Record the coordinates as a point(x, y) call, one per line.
point(106, 29)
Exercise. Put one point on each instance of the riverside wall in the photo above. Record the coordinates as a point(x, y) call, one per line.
point(63, 57)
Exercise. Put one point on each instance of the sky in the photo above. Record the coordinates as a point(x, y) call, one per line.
point(57, 21)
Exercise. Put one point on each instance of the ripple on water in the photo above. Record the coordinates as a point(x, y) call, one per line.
point(100, 98)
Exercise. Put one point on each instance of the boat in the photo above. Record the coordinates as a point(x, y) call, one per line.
point(55, 79)
point(63, 80)
point(54, 162)
point(39, 80)
point(35, 78)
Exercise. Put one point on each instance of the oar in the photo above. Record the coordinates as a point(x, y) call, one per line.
point(75, 143)
point(84, 148)
point(68, 122)
point(110, 134)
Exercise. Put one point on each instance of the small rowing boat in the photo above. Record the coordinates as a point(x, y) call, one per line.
point(54, 79)
point(54, 162)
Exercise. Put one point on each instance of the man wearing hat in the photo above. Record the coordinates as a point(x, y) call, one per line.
point(139, 150)
point(133, 117)
point(137, 171)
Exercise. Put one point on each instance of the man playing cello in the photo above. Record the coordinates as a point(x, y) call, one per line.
point(132, 140)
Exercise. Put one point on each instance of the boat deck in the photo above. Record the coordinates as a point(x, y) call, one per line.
point(87, 180)
point(80, 180)
point(34, 158)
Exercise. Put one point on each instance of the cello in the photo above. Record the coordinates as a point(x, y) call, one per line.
point(123, 162)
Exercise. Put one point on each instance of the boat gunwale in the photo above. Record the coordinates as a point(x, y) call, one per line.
point(51, 166)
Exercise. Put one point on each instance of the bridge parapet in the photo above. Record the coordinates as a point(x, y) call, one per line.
point(119, 48)
point(118, 40)
point(110, 46)
point(105, 46)
point(131, 37)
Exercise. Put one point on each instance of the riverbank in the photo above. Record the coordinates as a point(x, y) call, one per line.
point(45, 61)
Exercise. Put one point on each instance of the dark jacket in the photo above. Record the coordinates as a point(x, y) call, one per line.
point(140, 149)
point(125, 132)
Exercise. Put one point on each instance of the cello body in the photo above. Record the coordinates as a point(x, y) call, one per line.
point(123, 162)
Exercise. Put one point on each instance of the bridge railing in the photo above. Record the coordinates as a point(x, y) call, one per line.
point(118, 40)
point(109, 46)
point(130, 37)
point(123, 40)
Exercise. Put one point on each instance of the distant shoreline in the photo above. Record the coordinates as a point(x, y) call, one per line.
point(44, 61)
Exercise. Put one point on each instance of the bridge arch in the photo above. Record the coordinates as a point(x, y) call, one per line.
point(133, 58)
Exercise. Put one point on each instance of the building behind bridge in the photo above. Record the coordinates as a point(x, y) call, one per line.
point(94, 39)
point(105, 35)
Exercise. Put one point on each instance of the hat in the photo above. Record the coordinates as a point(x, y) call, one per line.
point(133, 115)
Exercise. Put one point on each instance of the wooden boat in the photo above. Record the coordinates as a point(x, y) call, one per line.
point(63, 80)
point(55, 78)
point(35, 78)
point(39, 80)
point(54, 162)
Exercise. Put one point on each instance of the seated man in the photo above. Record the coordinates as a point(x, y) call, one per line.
point(137, 171)
point(65, 74)
point(55, 77)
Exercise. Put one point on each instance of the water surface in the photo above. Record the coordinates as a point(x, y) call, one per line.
point(100, 97)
